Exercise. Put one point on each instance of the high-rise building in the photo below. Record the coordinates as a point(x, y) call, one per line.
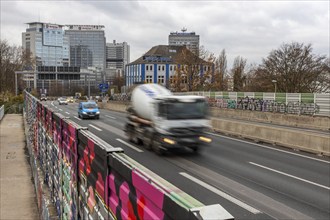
point(117, 57)
point(189, 39)
point(47, 43)
point(87, 45)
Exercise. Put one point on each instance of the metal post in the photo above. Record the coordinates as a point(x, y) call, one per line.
point(16, 84)
point(275, 86)
point(89, 86)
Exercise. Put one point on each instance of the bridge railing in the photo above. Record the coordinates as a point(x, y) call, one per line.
point(79, 176)
point(2, 112)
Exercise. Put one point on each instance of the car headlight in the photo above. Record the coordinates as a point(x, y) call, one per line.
point(205, 139)
point(97, 112)
point(169, 141)
point(84, 113)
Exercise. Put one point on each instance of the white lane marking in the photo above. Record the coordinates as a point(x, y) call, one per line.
point(285, 174)
point(60, 109)
point(67, 113)
point(222, 194)
point(108, 116)
point(77, 118)
point(129, 145)
point(52, 103)
point(55, 106)
point(95, 127)
point(270, 148)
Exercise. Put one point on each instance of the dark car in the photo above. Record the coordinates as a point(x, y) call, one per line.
point(43, 97)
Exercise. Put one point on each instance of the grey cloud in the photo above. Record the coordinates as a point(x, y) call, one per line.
point(247, 28)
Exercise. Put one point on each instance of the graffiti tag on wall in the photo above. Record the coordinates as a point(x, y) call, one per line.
point(256, 104)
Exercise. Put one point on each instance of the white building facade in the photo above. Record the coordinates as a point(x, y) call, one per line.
point(160, 65)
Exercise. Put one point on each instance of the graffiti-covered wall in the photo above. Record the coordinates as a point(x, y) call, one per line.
point(291, 103)
point(78, 176)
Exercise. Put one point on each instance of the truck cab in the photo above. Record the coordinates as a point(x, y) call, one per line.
point(88, 110)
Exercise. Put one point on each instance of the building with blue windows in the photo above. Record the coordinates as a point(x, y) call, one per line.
point(164, 64)
point(47, 42)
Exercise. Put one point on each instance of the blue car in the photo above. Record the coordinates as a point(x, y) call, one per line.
point(88, 110)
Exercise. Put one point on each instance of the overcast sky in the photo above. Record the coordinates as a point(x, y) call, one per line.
point(250, 29)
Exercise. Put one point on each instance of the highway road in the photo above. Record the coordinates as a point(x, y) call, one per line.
point(250, 180)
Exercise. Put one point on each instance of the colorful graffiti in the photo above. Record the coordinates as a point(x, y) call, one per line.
point(256, 104)
point(82, 179)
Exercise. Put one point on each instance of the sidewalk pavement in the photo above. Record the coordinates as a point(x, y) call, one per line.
point(18, 197)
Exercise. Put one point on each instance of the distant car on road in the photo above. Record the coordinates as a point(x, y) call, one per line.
point(88, 110)
point(43, 97)
point(62, 101)
point(70, 99)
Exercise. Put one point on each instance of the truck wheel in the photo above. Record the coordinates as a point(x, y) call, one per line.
point(195, 149)
point(157, 148)
point(147, 142)
point(130, 134)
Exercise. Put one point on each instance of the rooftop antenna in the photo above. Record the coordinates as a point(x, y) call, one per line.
point(184, 29)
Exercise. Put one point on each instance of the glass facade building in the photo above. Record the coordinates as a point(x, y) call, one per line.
point(87, 45)
point(47, 43)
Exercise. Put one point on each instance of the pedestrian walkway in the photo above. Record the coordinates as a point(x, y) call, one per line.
point(18, 197)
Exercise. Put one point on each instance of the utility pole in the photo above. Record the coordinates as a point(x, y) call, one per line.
point(16, 84)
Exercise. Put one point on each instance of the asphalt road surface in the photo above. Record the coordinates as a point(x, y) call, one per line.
point(251, 181)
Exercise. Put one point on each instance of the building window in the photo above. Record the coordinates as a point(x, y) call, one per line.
point(147, 67)
point(184, 79)
point(163, 67)
point(159, 68)
point(171, 68)
point(151, 67)
point(174, 67)
point(148, 79)
point(161, 79)
point(172, 79)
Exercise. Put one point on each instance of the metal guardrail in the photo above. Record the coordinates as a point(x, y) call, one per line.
point(2, 112)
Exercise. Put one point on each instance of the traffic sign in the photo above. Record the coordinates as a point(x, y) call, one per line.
point(103, 87)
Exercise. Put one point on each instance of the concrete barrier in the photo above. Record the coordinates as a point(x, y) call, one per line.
point(305, 141)
point(303, 121)
point(310, 142)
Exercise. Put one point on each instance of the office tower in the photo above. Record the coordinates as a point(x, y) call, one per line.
point(117, 57)
point(47, 43)
point(87, 46)
point(189, 39)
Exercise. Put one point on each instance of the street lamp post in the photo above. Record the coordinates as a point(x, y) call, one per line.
point(275, 83)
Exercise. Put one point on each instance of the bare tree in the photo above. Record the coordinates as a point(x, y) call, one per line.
point(296, 70)
point(193, 72)
point(13, 58)
point(220, 71)
point(238, 73)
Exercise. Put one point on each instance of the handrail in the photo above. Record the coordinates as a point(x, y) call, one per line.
point(2, 112)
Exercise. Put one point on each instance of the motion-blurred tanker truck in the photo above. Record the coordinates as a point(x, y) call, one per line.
point(163, 122)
